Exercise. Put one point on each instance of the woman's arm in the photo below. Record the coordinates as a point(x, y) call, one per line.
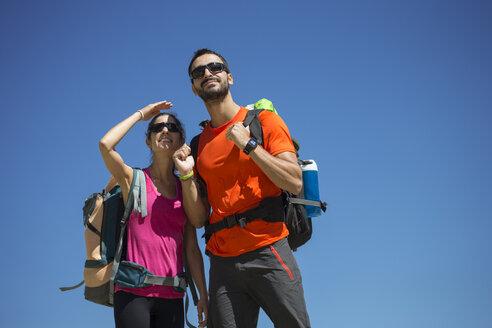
point(196, 205)
point(114, 163)
point(195, 262)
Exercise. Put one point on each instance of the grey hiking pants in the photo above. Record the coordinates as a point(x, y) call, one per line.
point(268, 278)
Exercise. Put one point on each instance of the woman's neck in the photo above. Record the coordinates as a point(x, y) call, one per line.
point(162, 168)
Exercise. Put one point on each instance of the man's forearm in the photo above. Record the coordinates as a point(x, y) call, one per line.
point(281, 169)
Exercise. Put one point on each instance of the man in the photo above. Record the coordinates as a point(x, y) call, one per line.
point(251, 265)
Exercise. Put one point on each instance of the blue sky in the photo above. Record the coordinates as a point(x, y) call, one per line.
point(391, 98)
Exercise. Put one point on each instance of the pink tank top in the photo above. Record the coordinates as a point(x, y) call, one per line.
point(156, 241)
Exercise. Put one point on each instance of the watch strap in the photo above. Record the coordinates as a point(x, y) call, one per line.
point(252, 144)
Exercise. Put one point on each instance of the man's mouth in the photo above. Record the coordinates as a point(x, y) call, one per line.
point(209, 81)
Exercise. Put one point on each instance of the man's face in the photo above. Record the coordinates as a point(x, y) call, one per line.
point(211, 86)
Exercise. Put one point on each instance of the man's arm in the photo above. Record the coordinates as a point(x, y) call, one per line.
point(282, 169)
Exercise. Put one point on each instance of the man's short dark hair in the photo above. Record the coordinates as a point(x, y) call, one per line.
point(202, 52)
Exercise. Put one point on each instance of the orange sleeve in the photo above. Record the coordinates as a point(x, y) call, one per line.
point(275, 134)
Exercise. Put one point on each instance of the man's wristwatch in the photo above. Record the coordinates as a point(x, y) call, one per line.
point(252, 144)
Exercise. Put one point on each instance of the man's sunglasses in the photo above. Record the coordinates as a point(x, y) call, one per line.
point(158, 127)
point(213, 68)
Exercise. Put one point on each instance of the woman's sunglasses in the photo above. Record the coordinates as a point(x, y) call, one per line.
point(158, 127)
point(213, 68)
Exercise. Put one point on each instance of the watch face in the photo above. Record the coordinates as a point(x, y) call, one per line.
point(252, 143)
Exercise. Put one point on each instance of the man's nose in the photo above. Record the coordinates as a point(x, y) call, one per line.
point(207, 72)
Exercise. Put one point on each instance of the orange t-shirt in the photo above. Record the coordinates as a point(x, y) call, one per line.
point(235, 184)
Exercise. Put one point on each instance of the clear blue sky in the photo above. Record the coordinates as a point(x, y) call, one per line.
point(393, 99)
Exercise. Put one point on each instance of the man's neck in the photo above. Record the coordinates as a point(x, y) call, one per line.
point(222, 111)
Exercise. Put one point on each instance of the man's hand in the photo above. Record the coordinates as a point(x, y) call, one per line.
point(183, 160)
point(238, 134)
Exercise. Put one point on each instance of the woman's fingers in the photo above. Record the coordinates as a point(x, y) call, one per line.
point(163, 105)
point(151, 110)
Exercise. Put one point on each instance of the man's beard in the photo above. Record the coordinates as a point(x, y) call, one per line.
point(214, 93)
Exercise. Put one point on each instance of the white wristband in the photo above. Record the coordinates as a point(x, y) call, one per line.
point(141, 114)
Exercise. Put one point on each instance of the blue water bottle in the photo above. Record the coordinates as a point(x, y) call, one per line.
point(311, 187)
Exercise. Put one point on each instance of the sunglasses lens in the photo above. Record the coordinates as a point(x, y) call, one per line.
point(158, 127)
point(215, 67)
point(198, 72)
point(172, 127)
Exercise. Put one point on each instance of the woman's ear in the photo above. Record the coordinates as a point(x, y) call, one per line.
point(147, 142)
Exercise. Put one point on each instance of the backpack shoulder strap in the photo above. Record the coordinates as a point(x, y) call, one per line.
point(139, 192)
point(194, 146)
point(194, 143)
point(130, 202)
point(252, 120)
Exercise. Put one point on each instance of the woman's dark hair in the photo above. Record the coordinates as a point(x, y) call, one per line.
point(174, 116)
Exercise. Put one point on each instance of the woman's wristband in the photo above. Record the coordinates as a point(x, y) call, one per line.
point(186, 177)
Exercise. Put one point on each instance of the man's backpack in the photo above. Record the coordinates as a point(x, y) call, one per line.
point(288, 208)
point(105, 221)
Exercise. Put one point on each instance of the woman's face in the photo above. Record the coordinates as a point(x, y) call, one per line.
point(164, 135)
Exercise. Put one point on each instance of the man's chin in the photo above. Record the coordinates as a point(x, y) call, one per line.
point(212, 95)
point(214, 99)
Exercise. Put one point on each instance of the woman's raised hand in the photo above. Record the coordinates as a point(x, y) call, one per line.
point(151, 110)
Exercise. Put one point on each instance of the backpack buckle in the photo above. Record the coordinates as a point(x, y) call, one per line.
point(230, 221)
point(242, 222)
point(234, 220)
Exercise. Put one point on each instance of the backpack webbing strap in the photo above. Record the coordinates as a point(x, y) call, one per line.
point(93, 229)
point(303, 201)
point(178, 282)
point(189, 278)
point(64, 289)
point(270, 209)
point(119, 249)
point(191, 284)
point(140, 195)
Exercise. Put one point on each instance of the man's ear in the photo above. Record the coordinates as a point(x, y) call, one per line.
point(230, 80)
point(194, 90)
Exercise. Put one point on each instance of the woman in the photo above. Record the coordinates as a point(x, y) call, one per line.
point(156, 241)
